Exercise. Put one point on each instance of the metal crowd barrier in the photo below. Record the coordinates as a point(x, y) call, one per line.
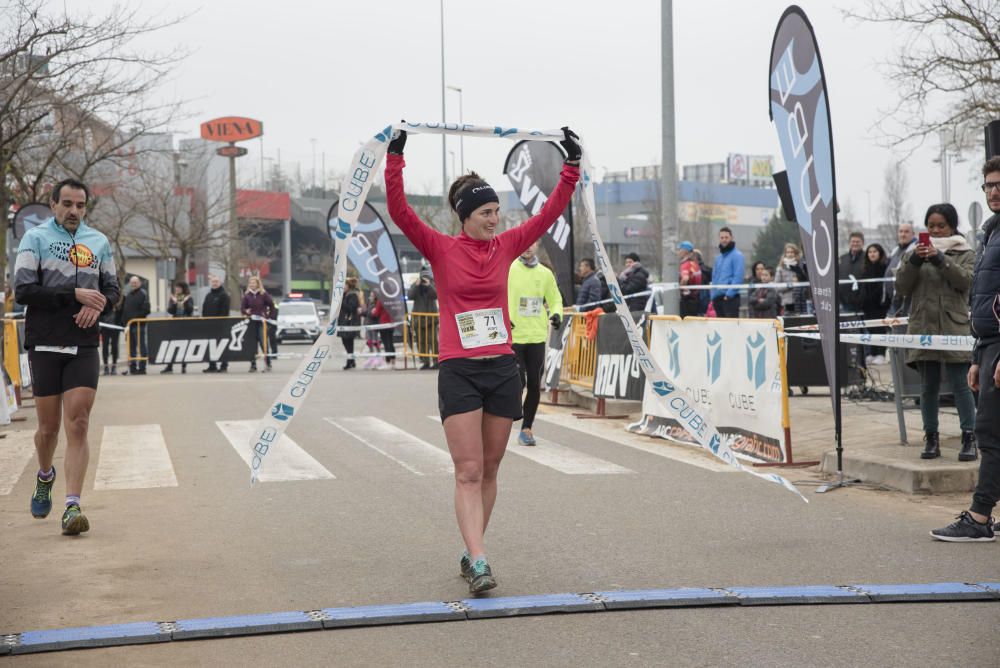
point(420, 336)
point(580, 354)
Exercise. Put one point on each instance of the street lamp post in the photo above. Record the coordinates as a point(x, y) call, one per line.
point(668, 169)
point(313, 142)
point(444, 142)
point(461, 120)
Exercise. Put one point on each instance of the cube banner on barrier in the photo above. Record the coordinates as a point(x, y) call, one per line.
point(730, 368)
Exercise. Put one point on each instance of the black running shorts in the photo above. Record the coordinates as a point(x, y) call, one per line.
point(54, 373)
point(492, 384)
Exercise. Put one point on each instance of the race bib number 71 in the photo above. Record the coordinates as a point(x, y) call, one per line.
point(484, 327)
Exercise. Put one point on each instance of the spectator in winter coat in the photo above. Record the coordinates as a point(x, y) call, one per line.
point(937, 279)
point(181, 306)
point(634, 278)
point(135, 306)
point(382, 316)
point(874, 297)
point(899, 307)
point(351, 309)
point(690, 274)
point(851, 264)
point(764, 302)
point(728, 271)
point(590, 286)
point(258, 304)
point(216, 305)
point(792, 269)
point(425, 326)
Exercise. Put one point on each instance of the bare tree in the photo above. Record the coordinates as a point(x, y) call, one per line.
point(895, 202)
point(947, 69)
point(74, 95)
point(150, 213)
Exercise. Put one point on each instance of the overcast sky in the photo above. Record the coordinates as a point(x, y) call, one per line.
point(338, 71)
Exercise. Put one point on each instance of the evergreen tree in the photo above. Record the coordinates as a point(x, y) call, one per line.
point(769, 245)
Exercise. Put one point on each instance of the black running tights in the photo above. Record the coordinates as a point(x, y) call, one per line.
point(531, 364)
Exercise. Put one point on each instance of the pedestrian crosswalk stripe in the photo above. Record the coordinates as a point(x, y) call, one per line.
point(567, 460)
point(134, 457)
point(285, 461)
point(658, 447)
point(15, 452)
point(410, 452)
point(559, 457)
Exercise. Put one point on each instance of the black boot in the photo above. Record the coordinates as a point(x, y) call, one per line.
point(968, 453)
point(932, 446)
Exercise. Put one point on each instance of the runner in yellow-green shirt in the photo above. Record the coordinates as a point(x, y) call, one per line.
point(534, 302)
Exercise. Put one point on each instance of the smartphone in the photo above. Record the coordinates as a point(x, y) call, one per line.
point(925, 239)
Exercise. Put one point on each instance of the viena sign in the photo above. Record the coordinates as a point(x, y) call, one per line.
point(231, 129)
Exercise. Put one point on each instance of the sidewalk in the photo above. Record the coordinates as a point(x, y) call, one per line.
point(872, 451)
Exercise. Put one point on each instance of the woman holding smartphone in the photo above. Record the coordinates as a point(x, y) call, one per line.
point(937, 276)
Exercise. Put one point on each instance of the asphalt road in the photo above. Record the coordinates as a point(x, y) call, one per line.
point(378, 527)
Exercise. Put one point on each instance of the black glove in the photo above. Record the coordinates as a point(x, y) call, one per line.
point(556, 320)
point(916, 260)
point(397, 144)
point(573, 150)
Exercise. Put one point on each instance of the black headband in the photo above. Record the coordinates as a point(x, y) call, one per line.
point(473, 197)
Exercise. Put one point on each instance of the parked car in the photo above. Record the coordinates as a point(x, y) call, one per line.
point(298, 320)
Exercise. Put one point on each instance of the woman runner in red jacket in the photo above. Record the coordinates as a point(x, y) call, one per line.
point(479, 389)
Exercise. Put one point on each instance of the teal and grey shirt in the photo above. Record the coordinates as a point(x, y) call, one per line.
point(51, 264)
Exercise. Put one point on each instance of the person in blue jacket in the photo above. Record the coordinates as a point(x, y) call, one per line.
point(729, 267)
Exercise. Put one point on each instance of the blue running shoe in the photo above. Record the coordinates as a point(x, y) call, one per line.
point(481, 577)
point(74, 522)
point(41, 500)
point(525, 438)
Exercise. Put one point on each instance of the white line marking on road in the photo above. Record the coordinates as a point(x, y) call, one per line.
point(15, 453)
point(659, 447)
point(285, 459)
point(559, 457)
point(134, 457)
point(413, 454)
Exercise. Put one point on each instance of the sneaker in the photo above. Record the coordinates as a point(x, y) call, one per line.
point(73, 521)
point(41, 500)
point(465, 566)
point(525, 438)
point(481, 577)
point(966, 530)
